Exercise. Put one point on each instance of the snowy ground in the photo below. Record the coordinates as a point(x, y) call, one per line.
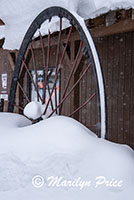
point(61, 147)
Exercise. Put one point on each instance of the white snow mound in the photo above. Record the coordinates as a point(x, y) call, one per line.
point(60, 147)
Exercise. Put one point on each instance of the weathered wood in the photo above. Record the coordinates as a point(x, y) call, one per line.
point(119, 27)
point(126, 100)
point(11, 61)
point(115, 99)
point(121, 88)
point(131, 111)
point(117, 57)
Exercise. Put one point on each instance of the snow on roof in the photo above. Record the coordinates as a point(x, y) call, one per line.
point(18, 15)
point(2, 31)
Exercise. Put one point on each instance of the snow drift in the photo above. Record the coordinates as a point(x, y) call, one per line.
point(60, 146)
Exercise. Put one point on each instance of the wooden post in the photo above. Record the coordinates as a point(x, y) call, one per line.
point(1, 105)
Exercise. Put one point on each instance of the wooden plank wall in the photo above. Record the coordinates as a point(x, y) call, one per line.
point(116, 54)
point(5, 67)
point(88, 115)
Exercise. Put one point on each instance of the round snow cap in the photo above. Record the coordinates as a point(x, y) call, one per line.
point(33, 110)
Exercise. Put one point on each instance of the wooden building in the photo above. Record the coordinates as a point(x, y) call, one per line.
point(113, 34)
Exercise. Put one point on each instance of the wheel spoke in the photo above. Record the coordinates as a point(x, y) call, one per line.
point(72, 72)
point(57, 58)
point(23, 91)
point(50, 96)
point(54, 85)
point(46, 74)
point(59, 66)
point(34, 65)
point(77, 82)
point(62, 101)
point(46, 71)
point(44, 66)
point(43, 50)
point(12, 68)
point(83, 105)
point(58, 44)
point(17, 106)
point(67, 41)
point(48, 60)
point(26, 54)
point(32, 80)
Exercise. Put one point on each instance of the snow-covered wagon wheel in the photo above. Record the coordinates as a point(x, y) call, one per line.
point(58, 66)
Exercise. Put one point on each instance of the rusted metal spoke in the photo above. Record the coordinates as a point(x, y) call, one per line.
point(26, 54)
point(50, 96)
point(12, 68)
point(46, 83)
point(46, 69)
point(59, 67)
point(68, 37)
point(21, 71)
point(32, 80)
point(83, 105)
point(46, 73)
point(55, 98)
point(72, 72)
point(58, 44)
point(57, 58)
point(43, 50)
point(34, 65)
point(23, 91)
point(48, 60)
point(17, 106)
point(54, 85)
point(44, 65)
point(62, 101)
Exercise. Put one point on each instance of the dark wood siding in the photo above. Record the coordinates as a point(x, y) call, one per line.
point(116, 54)
point(5, 67)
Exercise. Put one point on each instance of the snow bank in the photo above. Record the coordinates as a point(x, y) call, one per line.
point(18, 15)
point(10, 120)
point(60, 146)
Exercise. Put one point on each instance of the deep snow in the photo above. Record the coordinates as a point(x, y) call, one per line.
point(60, 146)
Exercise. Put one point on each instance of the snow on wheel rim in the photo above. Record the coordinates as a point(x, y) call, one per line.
point(90, 50)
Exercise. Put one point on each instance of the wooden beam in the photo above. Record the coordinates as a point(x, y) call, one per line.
point(110, 18)
point(120, 27)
